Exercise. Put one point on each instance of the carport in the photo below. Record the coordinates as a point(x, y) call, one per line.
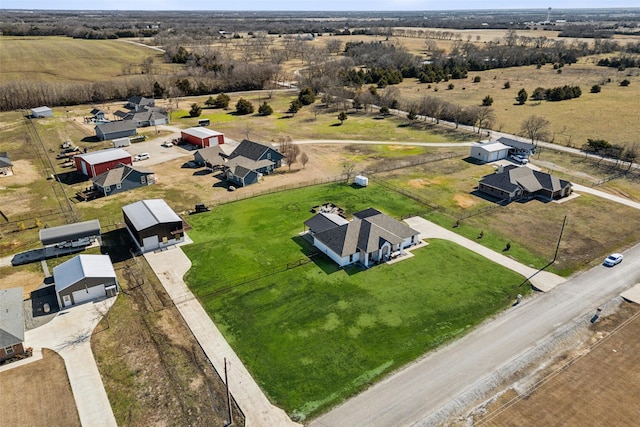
point(72, 233)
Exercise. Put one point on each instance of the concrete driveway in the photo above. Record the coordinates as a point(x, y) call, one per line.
point(69, 335)
point(170, 266)
point(542, 280)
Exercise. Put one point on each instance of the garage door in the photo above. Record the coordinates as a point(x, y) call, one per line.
point(150, 243)
point(88, 294)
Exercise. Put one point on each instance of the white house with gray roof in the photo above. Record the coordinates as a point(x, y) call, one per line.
point(153, 225)
point(371, 237)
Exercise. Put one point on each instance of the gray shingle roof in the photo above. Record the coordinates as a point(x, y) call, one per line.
point(11, 318)
point(368, 231)
point(117, 175)
point(513, 177)
point(516, 144)
point(253, 150)
point(4, 160)
point(119, 126)
point(324, 221)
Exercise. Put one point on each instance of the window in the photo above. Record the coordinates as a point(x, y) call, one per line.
point(269, 155)
point(9, 350)
point(107, 189)
point(118, 186)
point(143, 179)
point(351, 258)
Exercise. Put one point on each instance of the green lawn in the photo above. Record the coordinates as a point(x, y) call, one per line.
point(314, 335)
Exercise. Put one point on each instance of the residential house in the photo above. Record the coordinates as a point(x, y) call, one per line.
point(113, 130)
point(489, 152)
point(6, 167)
point(210, 157)
point(153, 225)
point(11, 323)
point(371, 237)
point(144, 117)
point(98, 115)
point(518, 147)
point(122, 178)
point(84, 278)
point(251, 160)
point(513, 182)
point(138, 103)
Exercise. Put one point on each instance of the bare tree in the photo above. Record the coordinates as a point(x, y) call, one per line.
point(304, 159)
point(291, 151)
point(485, 118)
point(348, 169)
point(535, 128)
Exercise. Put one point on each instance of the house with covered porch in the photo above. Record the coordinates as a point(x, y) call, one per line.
point(370, 237)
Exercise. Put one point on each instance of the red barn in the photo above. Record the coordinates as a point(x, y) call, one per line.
point(93, 164)
point(202, 137)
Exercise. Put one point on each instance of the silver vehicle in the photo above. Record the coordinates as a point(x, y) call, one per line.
point(613, 259)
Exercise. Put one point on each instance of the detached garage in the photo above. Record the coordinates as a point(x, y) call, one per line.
point(93, 164)
point(489, 152)
point(40, 112)
point(84, 278)
point(202, 137)
point(153, 224)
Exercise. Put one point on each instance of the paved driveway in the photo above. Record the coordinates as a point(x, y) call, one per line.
point(69, 335)
point(170, 266)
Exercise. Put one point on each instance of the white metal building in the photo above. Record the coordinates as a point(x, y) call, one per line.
point(41, 112)
point(489, 152)
point(84, 278)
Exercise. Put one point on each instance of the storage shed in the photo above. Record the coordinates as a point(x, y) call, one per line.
point(153, 225)
point(121, 142)
point(40, 112)
point(70, 234)
point(11, 323)
point(97, 162)
point(84, 278)
point(361, 180)
point(202, 137)
point(489, 152)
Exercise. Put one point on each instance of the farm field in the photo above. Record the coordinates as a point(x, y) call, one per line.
point(39, 59)
point(313, 334)
point(598, 381)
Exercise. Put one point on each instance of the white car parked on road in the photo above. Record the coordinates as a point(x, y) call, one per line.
point(613, 259)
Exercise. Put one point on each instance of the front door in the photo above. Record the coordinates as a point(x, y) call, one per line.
point(66, 300)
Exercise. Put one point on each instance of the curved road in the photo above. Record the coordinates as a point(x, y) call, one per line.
point(427, 392)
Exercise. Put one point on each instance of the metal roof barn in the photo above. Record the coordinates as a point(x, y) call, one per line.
point(147, 213)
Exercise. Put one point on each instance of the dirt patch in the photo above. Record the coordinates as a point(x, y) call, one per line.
point(28, 280)
point(422, 182)
point(464, 201)
point(38, 394)
point(599, 381)
point(153, 369)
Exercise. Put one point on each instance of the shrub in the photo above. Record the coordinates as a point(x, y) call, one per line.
point(307, 96)
point(195, 111)
point(487, 101)
point(476, 79)
point(595, 89)
point(265, 109)
point(221, 101)
point(244, 107)
point(625, 82)
point(451, 86)
point(507, 85)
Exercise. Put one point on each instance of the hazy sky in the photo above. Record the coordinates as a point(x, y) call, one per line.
point(371, 5)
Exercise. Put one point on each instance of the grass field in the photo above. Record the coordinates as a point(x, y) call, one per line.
point(313, 335)
point(64, 59)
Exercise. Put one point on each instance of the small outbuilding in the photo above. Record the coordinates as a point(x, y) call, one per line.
point(6, 167)
point(202, 137)
point(518, 147)
point(121, 142)
point(489, 152)
point(97, 162)
point(76, 234)
point(113, 130)
point(40, 112)
point(84, 278)
point(361, 180)
point(11, 323)
point(153, 225)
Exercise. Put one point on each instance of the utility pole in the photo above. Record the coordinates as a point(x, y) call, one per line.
point(226, 381)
